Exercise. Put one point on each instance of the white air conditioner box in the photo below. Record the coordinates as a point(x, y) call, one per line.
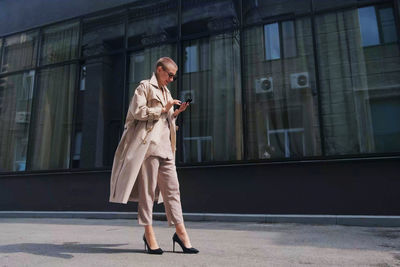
point(264, 85)
point(22, 116)
point(299, 80)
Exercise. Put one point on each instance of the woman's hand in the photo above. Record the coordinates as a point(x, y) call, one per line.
point(181, 108)
point(170, 104)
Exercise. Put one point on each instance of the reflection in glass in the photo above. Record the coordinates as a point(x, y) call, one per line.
point(388, 25)
point(98, 117)
point(289, 39)
point(59, 43)
point(272, 44)
point(212, 126)
point(152, 23)
point(103, 34)
point(191, 59)
point(282, 113)
point(368, 26)
point(258, 11)
point(142, 65)
point(209, 16)
point(196, 57)
point(19, 52)
point(51, 135)
point(360, 86)
point(15, 109)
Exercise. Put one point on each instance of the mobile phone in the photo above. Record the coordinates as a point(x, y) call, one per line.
point(188, 100)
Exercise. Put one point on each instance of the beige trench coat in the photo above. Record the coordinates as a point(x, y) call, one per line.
point(141, 127)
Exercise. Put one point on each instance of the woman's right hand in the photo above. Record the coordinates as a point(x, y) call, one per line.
point(169, 105)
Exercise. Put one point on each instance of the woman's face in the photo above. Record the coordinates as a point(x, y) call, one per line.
point(166, 74)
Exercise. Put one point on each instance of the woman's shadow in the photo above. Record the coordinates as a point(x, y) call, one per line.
point(65, 250)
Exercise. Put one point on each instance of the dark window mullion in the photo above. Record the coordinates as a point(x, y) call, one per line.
point(32, 121)
point(317, 81)
point(243, 85)
point(282, 53)
point(396, 12)
point(125, 93)
point(76, 94)
point(74, 115)
point(379, 22)
point(180, 52)
point(34, 105)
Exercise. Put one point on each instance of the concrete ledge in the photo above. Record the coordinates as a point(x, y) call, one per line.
point(350, 220)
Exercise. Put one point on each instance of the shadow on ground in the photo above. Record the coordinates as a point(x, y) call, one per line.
point(64, 250)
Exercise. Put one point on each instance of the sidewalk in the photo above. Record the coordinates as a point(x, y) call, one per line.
point(118, 242)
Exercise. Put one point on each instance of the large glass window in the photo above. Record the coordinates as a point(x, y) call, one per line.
point(15, 108)
point(59, 43)
point(103, 34)
point(19, 52)
point(212, 126)
point(99, 109)
point(360, 81)
point(152, 23)
point(49, 146)
point(282, 111)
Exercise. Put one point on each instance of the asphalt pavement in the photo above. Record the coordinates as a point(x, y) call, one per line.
point(118, 242)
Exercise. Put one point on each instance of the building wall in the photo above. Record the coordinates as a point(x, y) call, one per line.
point(368, 187)
point(293, 112)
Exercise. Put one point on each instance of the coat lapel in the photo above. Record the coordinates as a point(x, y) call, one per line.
point(157, 90)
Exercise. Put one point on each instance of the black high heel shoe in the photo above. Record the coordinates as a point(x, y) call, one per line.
point(157, 251)
point(186, 250)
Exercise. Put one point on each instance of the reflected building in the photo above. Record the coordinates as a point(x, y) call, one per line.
point(295, 104)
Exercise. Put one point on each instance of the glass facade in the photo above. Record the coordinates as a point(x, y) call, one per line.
point(270, 81)
point(359, 80)
point(50, 139)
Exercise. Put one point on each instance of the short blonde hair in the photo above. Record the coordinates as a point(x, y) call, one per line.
point(164, 61)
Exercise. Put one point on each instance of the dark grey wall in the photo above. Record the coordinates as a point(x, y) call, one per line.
point(357, 187)
point(16, 15)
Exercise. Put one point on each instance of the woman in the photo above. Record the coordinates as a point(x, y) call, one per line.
point(144, 164)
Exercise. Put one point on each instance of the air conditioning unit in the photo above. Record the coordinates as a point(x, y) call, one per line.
point(185, 94)
point(299, 80)
point(264, 85)
point(22, 116)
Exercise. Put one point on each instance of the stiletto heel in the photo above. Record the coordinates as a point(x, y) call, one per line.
point(186, 250)
point(157, 251)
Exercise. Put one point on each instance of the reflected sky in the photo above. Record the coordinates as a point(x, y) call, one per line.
point(368, 26)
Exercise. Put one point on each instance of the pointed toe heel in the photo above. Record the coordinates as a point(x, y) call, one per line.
point(185, 250)
point(157, 251)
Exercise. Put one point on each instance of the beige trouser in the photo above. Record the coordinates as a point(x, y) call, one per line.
point(162, 172)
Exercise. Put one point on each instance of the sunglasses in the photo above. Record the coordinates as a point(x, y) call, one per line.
point(170, 74)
